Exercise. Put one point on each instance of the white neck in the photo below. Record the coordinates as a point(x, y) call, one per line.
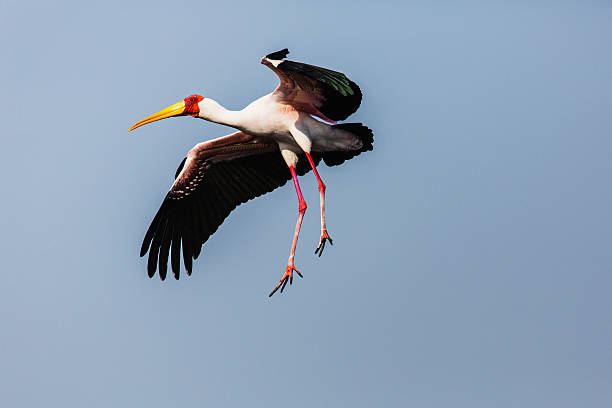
point(212, 111)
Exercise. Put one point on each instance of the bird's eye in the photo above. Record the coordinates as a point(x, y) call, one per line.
point(193, 100)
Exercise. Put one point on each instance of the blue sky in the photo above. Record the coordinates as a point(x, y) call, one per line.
point(471, 263)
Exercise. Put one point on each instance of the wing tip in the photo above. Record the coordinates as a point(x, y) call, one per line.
point(278, 55)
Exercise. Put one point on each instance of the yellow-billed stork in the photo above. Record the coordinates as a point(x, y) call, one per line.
point(295, 122)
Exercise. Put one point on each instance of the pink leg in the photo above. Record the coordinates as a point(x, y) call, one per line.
point(288, 275)
point(324, 235)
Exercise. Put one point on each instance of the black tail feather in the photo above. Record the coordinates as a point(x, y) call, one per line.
point(359, 130)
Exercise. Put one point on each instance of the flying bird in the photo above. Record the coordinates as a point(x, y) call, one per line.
point(293, 127)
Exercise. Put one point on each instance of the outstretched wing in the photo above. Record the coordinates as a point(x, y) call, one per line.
point(327, 94)
point(214, 178)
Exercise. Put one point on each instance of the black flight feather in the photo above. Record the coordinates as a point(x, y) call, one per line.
point(278, 55)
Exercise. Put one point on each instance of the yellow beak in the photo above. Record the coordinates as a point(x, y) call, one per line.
point(177, 109)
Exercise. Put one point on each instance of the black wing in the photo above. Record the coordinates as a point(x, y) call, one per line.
point(319, 91)
point(216, 177)
point(212, 180)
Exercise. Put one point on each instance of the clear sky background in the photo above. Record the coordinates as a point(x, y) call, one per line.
point(472, 254)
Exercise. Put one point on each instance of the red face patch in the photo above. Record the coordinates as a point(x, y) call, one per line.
point(191, 104)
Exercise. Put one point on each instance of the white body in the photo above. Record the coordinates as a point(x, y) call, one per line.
point(294, 131)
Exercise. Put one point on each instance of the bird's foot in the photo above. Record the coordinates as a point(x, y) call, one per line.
point(324, 237)
point(287, 277)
